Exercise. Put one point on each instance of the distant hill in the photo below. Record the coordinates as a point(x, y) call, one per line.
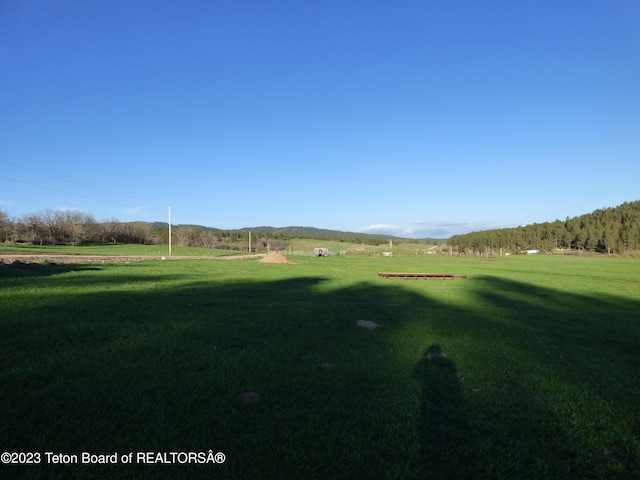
point(304, 232)
point(609, 230)
point(319, 233)
point(75, 227)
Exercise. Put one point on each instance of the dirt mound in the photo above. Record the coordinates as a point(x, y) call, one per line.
point(275, 257)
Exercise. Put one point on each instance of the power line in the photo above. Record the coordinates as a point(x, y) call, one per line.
point(67, 180)
point(62, 191)
point(196, 221)
point(75, 183)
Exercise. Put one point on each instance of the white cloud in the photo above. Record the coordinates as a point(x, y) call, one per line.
point(387, 229)
point(433, 229)
point(378, 227)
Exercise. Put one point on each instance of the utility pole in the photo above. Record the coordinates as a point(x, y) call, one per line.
point(169, 230)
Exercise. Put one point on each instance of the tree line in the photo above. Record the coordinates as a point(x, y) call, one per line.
point(206, 237)
point(72, 227)
point(607, 230)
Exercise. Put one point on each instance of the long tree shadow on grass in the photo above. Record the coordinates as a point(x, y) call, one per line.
point(160, 371)
point(30, 270)
point(565, 380)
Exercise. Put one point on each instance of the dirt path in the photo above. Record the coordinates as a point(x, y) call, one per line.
point(50, 258)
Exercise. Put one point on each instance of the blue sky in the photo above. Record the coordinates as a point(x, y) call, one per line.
point(414, 118)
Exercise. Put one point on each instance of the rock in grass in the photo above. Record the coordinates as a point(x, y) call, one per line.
point(248, 398)
point(324, 365)
point(368, 324)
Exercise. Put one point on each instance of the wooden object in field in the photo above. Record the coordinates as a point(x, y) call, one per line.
point(419, 276)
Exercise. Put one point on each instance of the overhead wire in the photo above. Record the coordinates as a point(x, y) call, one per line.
point(70, 181)
point(87, 197)
point(62, 191)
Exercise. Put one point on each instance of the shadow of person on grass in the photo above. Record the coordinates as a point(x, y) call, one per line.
point(443, 429)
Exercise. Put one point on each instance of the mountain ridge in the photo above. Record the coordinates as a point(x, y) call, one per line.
point(300, 231)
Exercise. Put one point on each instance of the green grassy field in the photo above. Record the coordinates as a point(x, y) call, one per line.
point(527, 369)
point(112, 249)
point(355, 249)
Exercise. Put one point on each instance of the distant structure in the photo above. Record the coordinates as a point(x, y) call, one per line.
point(321, 252)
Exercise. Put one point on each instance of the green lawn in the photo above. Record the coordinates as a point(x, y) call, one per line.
point(113, 249)
point(356, 249)
point(527, 369)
